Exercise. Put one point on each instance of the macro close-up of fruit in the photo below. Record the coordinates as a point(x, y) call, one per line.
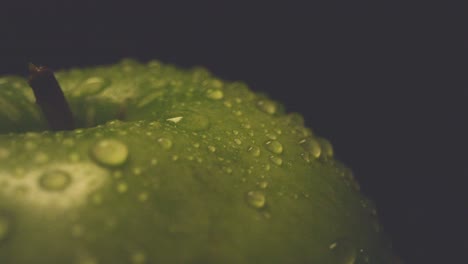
point(173, 165)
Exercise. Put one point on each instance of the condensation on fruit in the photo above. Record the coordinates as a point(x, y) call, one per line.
point(55, 180)
point(274, 146)
point(165, 143)
point(256, 199)
point(110, 152)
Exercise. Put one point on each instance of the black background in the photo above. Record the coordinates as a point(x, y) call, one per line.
point(378, 80)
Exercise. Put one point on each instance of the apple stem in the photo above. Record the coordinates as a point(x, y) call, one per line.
point(50, 98)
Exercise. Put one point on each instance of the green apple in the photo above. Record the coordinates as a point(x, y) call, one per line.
point(173, 166)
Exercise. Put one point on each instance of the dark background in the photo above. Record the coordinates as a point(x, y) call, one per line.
point(378, 80)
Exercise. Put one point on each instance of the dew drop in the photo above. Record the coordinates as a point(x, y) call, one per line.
point(110, 152)
point(211, 148)
point(136, 171)
point(306, 156)
point(256, 199)
point(143, 197)
point(214, 94)
point(276, 160)
point(237, 141)
point(267, 106)
point(55, 180)
point(92, 86)
point(263, 184)
point(254, 151)
point(122, 187)
point(274, 146)
point(216, 83)
point(327, 148)
point(344, 251)
point(312, 146)
point(165, 143)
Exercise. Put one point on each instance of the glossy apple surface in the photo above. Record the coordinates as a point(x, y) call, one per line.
point(173, 166)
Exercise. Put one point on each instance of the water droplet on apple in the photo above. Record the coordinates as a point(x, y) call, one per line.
point(327, 148)
point(137, 171)
point(276, 160)
point(344, 251)
point(122, 187)
point(5, 227)
point(256, 199)
point(228, 170)
point(306, 156)
point(263, 184)
point(254, 151)
point(214, 94)
point(165, 143)
point(312, 146)
point(274, 146)
point(267, 106)
point(110, 152)
point(212, 148)
point(362, 257)
point(91, 86)
point(143, 197)
point(237, 141)
point(55, 180)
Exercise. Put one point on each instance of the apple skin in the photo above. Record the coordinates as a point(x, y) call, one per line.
point(173, 166)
